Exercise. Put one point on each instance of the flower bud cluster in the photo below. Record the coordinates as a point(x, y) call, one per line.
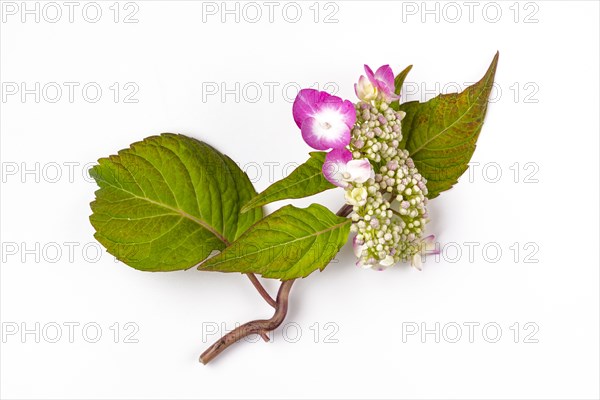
point(389, 210)
point(377, 132)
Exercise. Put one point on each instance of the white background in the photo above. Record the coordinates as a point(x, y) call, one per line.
point(544, 112)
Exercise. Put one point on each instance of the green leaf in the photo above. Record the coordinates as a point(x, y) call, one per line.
point(398, 81)
point(441, 134)
point(290, 243)
point(306, 180)
point(168, 201)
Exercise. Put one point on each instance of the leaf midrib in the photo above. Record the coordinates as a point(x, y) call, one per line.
point(331, 228)
point(184, 214)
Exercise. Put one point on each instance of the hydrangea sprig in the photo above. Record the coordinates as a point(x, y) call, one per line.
point(171, 202)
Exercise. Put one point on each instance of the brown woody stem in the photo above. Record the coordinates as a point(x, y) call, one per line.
point(344, 211)
point(260, 327)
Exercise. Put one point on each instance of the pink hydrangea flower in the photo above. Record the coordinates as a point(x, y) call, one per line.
point(325, 120)
point(382, 81)
point(339, 168)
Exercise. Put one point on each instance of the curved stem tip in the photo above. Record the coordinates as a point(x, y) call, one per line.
point(258, 327)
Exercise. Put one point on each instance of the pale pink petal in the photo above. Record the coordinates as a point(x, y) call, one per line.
point(307, 104)
point(342, 156)
point(358, 248)
point(417, 262)
point(311, 134)
point(360, 170)
point(334, 166)
point(335, 110)
point(429, 246)
point(370, 74)
point(385, 75)
point(348, 113)
point(388, 92)
point(323, 133)
point(429, 239)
